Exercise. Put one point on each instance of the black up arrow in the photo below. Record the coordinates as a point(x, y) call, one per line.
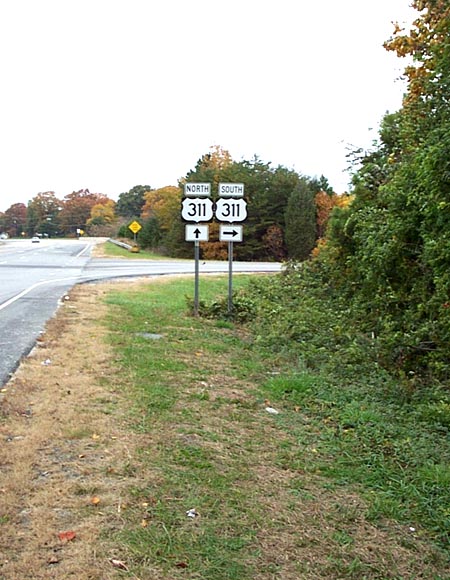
point(197, 232)
point(228, 233)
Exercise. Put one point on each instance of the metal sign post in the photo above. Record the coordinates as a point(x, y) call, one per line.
point(196, 276)
point(196, 233)
point(230, 277)
point(197, 207)
point(230, 233)
point(135, 227)
point(230, 207)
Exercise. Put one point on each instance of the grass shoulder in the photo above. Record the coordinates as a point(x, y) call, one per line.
point(109, 249)
point(260, 460)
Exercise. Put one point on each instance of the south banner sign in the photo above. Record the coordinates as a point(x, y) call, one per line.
point(231, 190)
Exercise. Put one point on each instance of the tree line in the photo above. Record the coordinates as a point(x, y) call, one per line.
point(287, 212)
point(46, 215)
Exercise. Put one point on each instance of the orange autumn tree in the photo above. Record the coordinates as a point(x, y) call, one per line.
point(214, 249)
point(325, 202)
point(103, 219)
point(324, 205)
point(216, 161)
point(77, 208)
point(160, 214)
point(103, 213)
point(163, 204)
point(425, 42)
point(274, 242)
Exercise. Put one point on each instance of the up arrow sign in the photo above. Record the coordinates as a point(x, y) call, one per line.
point(230, 233)
point(195, 233)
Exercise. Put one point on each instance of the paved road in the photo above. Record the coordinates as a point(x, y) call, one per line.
point(34, 277)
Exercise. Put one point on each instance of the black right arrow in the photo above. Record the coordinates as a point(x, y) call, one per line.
point(228, 233)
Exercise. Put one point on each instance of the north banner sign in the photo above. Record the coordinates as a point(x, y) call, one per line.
point(197, 189)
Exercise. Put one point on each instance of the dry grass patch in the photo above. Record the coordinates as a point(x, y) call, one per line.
point(65, 445)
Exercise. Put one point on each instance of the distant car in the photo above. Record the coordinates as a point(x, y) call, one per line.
point(35, 240)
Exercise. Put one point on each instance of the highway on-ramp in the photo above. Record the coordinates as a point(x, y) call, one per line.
point(35, 276)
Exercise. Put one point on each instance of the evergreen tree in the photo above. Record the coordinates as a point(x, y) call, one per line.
point(130, 203)
point(150, 235)
point(301, 221)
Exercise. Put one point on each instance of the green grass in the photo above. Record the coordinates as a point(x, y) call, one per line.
point(115, 251)
point(267, 484)
point(402, 464)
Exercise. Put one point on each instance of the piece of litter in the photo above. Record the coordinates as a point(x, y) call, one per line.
point(46, 362)
point(67, 536)
point(411, 529)
point(192, 513)
point(272, 411)
point(182, 565)
point(14, 438)
point(119, 564)
point(150, 335)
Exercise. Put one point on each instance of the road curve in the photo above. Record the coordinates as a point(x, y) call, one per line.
point(34, 278)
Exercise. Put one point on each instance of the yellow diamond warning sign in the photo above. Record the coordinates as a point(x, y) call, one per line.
point(135, 227)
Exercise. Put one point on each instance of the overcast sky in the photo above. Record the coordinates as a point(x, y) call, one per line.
point(108, 94)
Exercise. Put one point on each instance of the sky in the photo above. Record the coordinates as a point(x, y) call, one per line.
point(108, 94)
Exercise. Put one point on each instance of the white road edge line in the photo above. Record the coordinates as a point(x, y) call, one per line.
point(30, 289)
point(87, 247)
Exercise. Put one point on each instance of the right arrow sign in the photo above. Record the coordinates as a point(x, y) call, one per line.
point(230, 233)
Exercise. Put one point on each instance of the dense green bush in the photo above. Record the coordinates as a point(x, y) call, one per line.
point(243, 307)
point(390, 250)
